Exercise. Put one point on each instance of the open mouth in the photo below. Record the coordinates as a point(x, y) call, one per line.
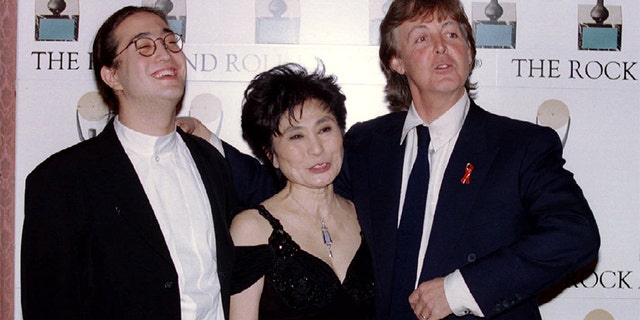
point(443, 66)
point(320, 166)
point(164, 73)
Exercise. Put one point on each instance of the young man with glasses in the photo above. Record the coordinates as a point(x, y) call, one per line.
point(131, 224)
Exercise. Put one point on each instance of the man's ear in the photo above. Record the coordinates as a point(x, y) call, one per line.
point(397, 65)
point(470, 57)
point(110, 76)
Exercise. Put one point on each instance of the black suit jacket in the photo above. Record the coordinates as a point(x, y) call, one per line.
point(92, 247)
point(519, 226)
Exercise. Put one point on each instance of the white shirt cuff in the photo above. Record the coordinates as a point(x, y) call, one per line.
point(459, 297)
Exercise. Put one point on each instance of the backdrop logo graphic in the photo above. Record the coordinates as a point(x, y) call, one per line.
point(278, 21)
point(57, 20)
point(377, 10)
point(599, 314)
point(555, 115)
point(494, 24)
point(92, 115)
point(599, 27)
point(208, 109)
point(176, 12)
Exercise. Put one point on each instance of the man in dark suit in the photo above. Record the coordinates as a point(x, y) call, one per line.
point(131, 224)
point(489, 218)
point(495, 218)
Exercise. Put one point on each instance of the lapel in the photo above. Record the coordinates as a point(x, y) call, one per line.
point(216, 181)
point(456, 199)
point(129, 198)
point(384, 158)
point(386, 179)
point(213, 182)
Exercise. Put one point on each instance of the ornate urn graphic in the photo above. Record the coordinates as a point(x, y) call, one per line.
point(56, 20)
point(494, 25)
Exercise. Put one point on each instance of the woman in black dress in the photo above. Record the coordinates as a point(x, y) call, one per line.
point(300, 254)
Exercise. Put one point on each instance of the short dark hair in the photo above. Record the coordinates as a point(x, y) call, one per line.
point(105, 45)
point(397, 90)
point(275, 93)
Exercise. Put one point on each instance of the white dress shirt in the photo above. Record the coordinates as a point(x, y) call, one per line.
point(179, 200)
point(444, 134)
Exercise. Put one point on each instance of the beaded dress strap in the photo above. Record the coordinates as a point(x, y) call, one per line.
point(275, 223)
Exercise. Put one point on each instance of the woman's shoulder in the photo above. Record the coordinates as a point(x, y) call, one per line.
point(249, 227)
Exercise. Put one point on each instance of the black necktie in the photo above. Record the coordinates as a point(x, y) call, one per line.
point(410, 230)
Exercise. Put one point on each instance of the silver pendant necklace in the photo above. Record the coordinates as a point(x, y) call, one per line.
point(326, 236)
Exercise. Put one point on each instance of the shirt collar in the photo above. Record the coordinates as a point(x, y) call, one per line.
point(442, 129)
point(142, 143)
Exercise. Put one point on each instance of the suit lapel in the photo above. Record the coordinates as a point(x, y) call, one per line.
point(212, 180)
point(384, 168)
point(385, 184)
point(456, 199)
point(210, 166)
point(130, 199)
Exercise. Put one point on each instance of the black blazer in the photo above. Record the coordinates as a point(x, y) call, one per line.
point(519, 226)
point(92, 247)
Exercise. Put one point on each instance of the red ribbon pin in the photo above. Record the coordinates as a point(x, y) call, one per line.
point(467, 173)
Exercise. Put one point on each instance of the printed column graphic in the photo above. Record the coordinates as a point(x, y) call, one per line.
point(555, 115)
point(92, 115)
point(377, 10)
point(176, 12)
point(278, 21)
point(599, 314)
point(208, 109)
point(52, 24)
point(594, 33)
point(494, 24)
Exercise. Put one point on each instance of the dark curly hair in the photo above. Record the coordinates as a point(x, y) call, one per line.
point(275, 93)
point(397, 90)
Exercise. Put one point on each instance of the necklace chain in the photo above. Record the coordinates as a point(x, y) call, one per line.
point(326, 236)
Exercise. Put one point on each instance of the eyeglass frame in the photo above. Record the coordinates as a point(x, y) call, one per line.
point(155, 46)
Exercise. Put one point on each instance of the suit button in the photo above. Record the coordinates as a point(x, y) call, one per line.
point(471, 257)
point(168, 285)
point(222, 275)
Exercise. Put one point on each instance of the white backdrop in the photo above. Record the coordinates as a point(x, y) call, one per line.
point(227, 43)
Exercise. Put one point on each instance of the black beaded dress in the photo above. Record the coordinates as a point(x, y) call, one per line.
point(298, 285)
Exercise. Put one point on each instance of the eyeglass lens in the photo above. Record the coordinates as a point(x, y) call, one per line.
point(147, 46)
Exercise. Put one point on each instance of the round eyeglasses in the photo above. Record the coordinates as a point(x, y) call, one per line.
point(147, 47)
